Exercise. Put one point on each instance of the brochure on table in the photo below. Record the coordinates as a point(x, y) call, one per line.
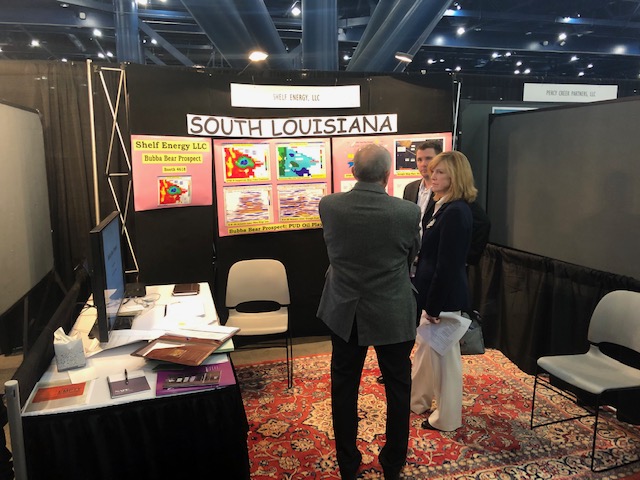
point(116, 360)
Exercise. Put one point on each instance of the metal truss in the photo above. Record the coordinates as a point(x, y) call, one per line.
point(116, 102)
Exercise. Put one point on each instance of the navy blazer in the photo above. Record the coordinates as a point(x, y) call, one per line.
point(441, 276)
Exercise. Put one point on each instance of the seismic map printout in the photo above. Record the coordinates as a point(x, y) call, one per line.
point(270, 185)
point(299, 202)
point(402, 149)
point(301, 160)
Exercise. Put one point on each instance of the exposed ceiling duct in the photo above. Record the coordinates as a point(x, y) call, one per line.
point(238, 27)
point(406, 26)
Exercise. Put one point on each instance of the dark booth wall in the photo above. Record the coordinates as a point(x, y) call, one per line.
point(564, 183)
point(473, 135)
point(564, 202)
point(182, 245)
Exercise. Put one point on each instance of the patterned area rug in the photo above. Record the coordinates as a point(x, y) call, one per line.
point(291, 435)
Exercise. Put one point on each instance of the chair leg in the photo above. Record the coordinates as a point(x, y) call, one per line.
point(533, 399)
point(289, 347)
point(595, 433)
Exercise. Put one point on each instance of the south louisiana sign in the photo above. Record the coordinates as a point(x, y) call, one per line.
point(216, 126)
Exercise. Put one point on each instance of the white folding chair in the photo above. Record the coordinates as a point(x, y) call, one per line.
point(258, 299)
point(615, 320)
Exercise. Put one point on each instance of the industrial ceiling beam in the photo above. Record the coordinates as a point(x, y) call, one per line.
point(166, 45)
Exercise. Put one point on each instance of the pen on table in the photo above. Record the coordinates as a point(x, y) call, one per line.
point(126, 377)
point(165, 310)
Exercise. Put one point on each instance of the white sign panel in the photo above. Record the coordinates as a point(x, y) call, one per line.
point(290, 96)
point(215, 126)
point(567, 92)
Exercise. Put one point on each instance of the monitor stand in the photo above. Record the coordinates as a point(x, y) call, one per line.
point(123, 322)
point(134, 290)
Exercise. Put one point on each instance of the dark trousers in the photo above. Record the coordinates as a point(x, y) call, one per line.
point(6, 466)
point(347, 361)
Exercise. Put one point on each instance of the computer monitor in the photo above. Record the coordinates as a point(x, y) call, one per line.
point(107, 274)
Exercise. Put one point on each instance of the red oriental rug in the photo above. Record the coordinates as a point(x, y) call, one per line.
point(291, 435)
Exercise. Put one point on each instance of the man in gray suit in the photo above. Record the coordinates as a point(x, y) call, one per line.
point(368, 299)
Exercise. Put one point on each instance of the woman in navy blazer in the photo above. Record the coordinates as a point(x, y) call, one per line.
point(441, 281)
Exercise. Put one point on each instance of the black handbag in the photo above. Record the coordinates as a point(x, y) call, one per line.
point(472, 342)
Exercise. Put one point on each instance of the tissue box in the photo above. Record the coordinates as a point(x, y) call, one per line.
point(69, 355)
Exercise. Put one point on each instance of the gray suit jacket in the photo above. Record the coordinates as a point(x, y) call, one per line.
point(371, 237)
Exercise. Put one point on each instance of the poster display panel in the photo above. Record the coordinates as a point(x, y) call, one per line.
point(171, 171)
point(403, 157)
point(270, 185)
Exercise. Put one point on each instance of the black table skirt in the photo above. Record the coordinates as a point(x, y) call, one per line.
point(198, 435)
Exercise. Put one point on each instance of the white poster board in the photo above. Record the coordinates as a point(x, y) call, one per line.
point(26, 248)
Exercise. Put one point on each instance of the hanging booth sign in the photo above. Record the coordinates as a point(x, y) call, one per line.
point(171, 171)
point(294, 96)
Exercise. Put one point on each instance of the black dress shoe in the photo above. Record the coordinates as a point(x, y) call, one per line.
point(380, 380)
point(428, 426)
point(391, 473)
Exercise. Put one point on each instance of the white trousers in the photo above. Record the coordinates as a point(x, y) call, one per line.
point(437, 377)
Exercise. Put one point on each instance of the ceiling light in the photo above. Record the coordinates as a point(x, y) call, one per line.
point(439, 40)
point(562, 36)
point(527, 71)
point(460, 31)
point(257, 56)
point(495, 55)
point(620, 49)
point(295, 9)
point(566, 19)
point(142, 2)
point(580, 74)
point(508, 54)
point(517, 72)
point(109, 54)
point(404, 57)
point(97, 33)
point(574, 58)
point(63, 60)
point(458, 69)
point(101, 55)
point(430, 61)
point(590, 65)
point(518, 63)
point(154, 41)
point(35, 43)
point(346, 57)
point(64, 5)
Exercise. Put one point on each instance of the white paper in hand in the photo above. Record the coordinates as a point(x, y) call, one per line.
point(441, 336)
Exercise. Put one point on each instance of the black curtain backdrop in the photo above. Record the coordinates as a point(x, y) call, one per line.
point(534, 306)
point(59, 92)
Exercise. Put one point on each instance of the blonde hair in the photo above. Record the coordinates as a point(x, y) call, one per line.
point(459, 169)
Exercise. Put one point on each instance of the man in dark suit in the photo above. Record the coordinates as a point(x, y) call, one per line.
point(368, 299)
